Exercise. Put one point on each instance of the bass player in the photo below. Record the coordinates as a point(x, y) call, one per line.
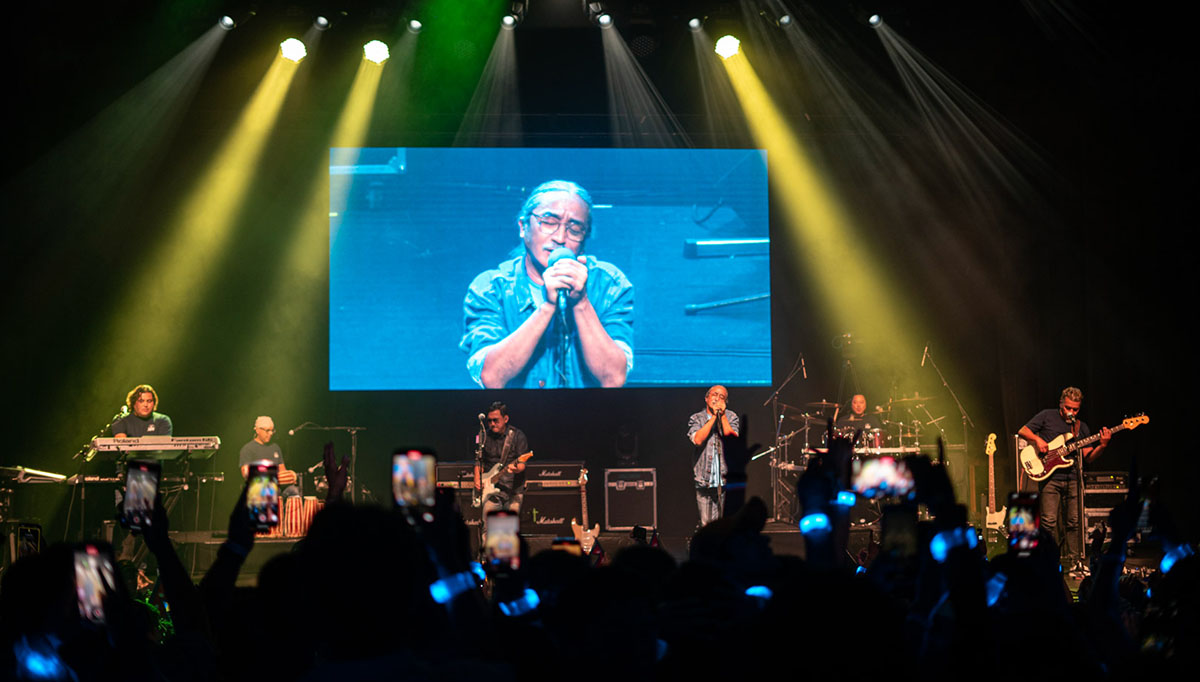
point(1062, 488)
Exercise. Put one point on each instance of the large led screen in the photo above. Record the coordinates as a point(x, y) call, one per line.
point(447, 268)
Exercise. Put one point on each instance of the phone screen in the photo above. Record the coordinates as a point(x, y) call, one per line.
point(899, 531)
point(262, 494)
point(503, 540)
point(94, 580)
point(880, 477)
point(1024, 521)
point(568, 545)
point(414, 477)
point(141, 489)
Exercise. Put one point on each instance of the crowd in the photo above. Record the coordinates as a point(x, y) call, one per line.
point(387, 594)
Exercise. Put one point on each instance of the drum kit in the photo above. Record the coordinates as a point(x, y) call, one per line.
point(890, 430)
point(894, 435)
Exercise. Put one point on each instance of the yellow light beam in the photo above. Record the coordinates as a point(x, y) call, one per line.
point(295, 295)
point(825, 237)
point(170, 286)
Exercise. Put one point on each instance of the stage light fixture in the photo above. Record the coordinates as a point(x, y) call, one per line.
point(727, 46)
point(597, 13)
point(414, 26)
point(226, 22)
point(321, 23)
point(516, 14)
point(293, 50)
point(875, 20)
point(785, 20)
point(694, 24)
point(376, 51)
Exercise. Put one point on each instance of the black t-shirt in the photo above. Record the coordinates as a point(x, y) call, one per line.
point(1048, 424)
point(255, 451)
point(493, 452)
point(133, 426)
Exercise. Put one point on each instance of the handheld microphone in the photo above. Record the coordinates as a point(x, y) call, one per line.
point(556, 255)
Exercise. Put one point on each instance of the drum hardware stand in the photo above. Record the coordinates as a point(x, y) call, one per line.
point(781, 441)
point(967, 423)
point(845, 343)
point(352, 484)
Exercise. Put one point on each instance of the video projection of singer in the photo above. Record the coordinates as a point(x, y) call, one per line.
point(548, 268)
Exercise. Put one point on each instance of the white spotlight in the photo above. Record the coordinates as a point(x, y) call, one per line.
point(727, 46)
point(292, 49)
point(605, 20)
point(376, 51)
point(875, 20)
point(414, 26)
point(509, 22)
point(785, 20)
point(226, 22)
point(321, 23)
point(694, 24)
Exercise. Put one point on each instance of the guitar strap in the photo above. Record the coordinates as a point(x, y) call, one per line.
point(506, 449)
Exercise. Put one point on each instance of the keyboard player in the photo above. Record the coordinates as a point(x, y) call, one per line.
point(141, 419)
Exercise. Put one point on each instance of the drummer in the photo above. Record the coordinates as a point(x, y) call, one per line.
point(857, 416)
point(856, 422)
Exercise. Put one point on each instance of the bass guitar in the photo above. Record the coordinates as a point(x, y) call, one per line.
point(489, 478)
point(1039, 467)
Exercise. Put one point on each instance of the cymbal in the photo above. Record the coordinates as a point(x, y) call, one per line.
point(807, 418)
point(822, 404)
point(914, 399)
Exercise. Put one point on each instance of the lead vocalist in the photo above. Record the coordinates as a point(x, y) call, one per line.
point(516, 333)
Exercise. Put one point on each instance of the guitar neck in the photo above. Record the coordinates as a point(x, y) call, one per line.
point(991, 483)
point(1084, 442)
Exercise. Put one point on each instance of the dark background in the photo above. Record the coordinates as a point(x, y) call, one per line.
point(1094, 288)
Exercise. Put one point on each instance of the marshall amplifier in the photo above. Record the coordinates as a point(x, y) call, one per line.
point(460, 476)
point(630, 499)
point(549, 512)
point(552, 475)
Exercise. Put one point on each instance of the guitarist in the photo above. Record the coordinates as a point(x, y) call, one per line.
point(1062, 488)
point(503, 444)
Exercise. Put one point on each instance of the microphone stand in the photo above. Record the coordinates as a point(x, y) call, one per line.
point(780, 443)
point(353, 431)
point(966, 418)
point(564, 339)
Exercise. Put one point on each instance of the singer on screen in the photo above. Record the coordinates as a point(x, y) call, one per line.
point(550, 317)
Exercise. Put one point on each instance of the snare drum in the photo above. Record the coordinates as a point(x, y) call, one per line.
point(871, 438)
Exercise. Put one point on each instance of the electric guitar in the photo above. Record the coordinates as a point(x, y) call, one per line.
point(1039, 467)
point(993, 520)
point(586, 537)
point(492, 475)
